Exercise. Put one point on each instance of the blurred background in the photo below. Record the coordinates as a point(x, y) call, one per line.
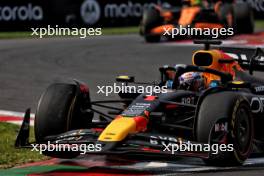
point(17, 15)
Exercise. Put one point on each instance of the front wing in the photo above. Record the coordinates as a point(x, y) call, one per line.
point(154, 144)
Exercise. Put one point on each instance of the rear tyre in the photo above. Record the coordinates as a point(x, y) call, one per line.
point(244, 18)
point(226, 121)
point(151, 19)
point(226, 15)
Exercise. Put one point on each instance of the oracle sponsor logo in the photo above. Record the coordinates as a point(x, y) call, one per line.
point(26, 12)
point(257, 104)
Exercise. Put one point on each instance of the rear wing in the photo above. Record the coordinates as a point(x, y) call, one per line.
point(251, 59)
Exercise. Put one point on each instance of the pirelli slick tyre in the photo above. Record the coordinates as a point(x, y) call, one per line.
point(244, 17)
point(225, 118)
point(226, 15)
point(60, 110)
point(151, 18)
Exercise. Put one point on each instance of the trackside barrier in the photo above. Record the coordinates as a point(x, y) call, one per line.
point(26, 14)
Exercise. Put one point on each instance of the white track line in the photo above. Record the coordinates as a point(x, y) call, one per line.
point(14, 114)
point(21, 115)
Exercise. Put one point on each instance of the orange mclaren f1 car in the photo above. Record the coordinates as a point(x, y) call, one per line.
point(159, 21)
point(224, 120)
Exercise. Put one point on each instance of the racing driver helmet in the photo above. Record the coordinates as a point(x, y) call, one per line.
point(192, 81)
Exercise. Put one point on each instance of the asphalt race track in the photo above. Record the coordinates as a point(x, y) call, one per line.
point(28, 66)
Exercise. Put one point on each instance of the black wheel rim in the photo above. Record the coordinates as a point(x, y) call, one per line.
point(242, 130)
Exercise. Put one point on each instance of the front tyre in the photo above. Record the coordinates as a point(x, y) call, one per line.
point(61, 109)
point(225, 118)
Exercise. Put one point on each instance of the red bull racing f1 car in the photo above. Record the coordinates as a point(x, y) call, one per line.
point(227, 111)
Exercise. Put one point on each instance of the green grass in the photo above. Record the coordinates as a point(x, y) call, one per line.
point(10, 35)
point(42, 169)
point(259, 24)
point(120, 31)
point(9, 155)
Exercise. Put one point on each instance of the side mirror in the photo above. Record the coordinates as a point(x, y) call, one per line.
point(124, 78)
